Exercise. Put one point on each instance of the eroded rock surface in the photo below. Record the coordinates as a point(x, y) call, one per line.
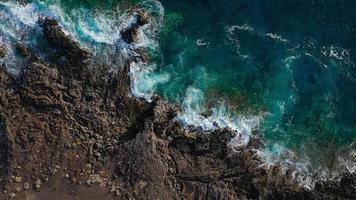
point(83, 137)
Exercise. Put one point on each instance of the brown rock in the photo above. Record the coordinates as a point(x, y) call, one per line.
point(2, 51)
point(18, 179)
point(54, 115)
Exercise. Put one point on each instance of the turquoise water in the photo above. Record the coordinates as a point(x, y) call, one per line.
point(282, 69)
point(292, 60)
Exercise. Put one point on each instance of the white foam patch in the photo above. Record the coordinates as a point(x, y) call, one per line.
point(244, 27)
point(144, 81)
point(232, 30)
point(193, 115)
point(276, 37)
point(278, 155)
point(338, 53)
point(99, 31)
point(99, 28)
point(303, 172)
point(25, 14)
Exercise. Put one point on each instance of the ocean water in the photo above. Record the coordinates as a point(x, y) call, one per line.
point(290, 65)
point(284, 70)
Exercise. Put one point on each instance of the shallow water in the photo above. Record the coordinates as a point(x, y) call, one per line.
point(284, 68)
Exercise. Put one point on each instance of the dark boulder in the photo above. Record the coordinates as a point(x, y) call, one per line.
point(130, 34)
point(64, 44)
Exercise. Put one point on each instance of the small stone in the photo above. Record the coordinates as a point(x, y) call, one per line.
point(113, 189)
point(12, 195)
point(38, 184)
point(26, 186)
point(307, 187)
point(18, 179)
point(17, 189)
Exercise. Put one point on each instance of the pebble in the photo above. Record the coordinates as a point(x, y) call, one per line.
point(12, 195)
point(17, 189)
point(26, 186)
point(18, 179)
point(38, 184)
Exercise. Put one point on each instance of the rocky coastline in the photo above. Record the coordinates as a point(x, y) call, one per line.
point(70, 130)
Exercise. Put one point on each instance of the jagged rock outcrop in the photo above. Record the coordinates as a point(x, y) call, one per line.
point(130, 34)
point(84, 137)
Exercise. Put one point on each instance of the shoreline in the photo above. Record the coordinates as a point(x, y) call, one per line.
point(60, 125)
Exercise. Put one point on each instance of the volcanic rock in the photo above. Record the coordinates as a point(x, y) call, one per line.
point(73, 121)
point(130, 34)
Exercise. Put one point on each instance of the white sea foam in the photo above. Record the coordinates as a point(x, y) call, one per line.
point(276, 37)
point(244, 27)
point(247, 28)
point(89, 28)
point(144, 80)
point(27, 14)
point(220, 117)
point(338, 53)
point(232, 34)
point(278, 155)
point(98, 31)
point(303, 172)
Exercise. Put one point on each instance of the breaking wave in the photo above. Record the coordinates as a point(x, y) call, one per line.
point(219, 117)
point(100, 31)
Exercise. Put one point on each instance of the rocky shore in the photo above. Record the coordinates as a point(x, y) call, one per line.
point(70, 130)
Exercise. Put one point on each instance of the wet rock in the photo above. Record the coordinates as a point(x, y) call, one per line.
point(99, 135)
point(26, 52)
point(2, 51)
point(130, 34)
point(63, 43)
